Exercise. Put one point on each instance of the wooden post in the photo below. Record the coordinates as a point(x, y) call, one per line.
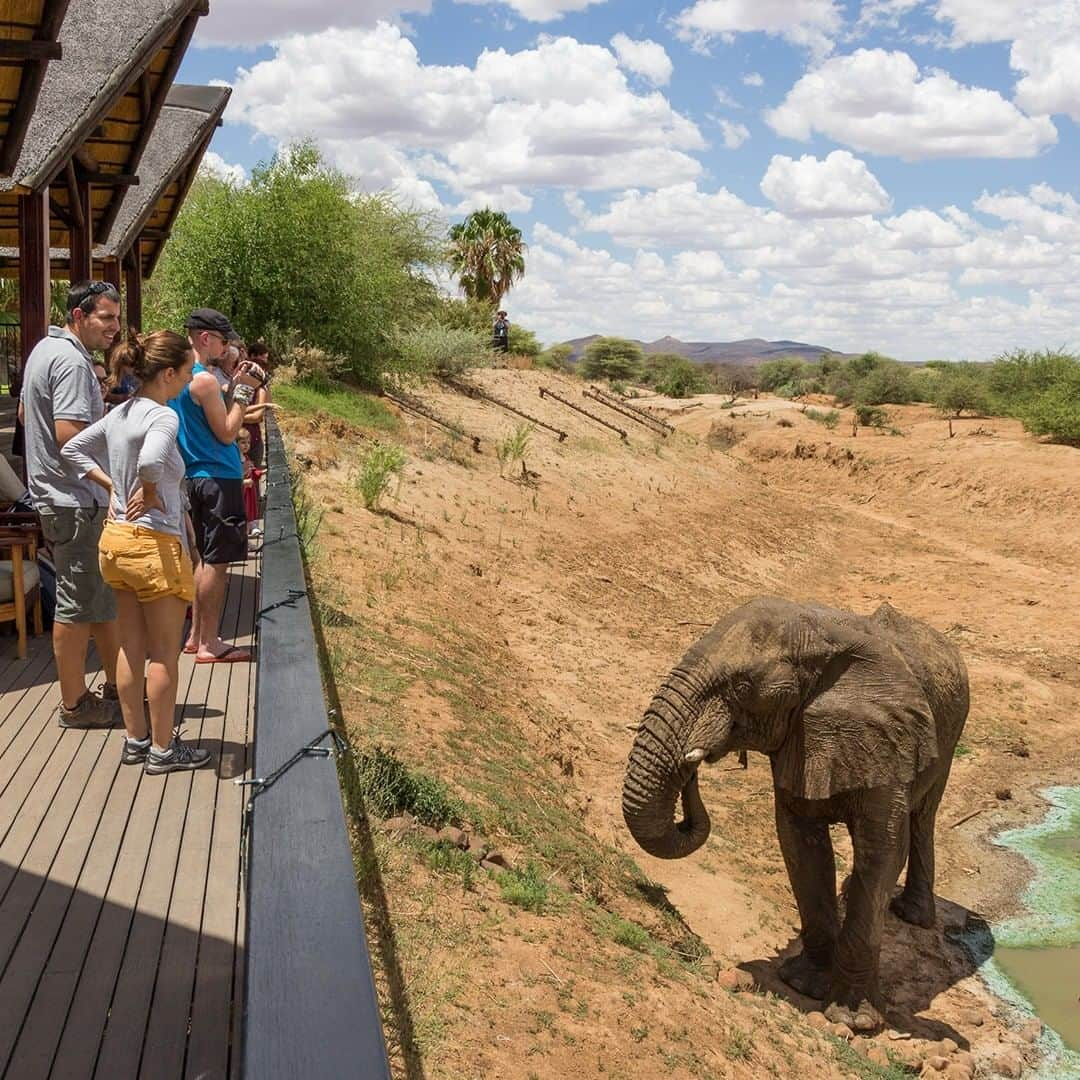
point(34, 270)
point(113, 274)
point(133, 286)
point(81, 233)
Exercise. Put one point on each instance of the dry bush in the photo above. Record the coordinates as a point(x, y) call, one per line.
point(723, 435)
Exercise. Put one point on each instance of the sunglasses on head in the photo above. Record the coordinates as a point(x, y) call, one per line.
point(94, 290)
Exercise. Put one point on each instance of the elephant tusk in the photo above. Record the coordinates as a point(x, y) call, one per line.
point(695, 756)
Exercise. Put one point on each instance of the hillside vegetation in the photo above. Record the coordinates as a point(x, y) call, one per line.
point(494, 624)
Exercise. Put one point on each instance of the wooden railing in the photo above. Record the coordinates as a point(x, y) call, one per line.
point(310, 1008)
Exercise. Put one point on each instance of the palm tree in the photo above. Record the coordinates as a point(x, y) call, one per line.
point(486, 254)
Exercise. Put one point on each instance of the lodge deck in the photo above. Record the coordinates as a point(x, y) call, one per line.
point(121, 913)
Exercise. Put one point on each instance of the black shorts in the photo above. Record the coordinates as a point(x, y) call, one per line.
point(217, 513)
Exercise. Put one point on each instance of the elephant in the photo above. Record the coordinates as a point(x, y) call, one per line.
point(859, 717)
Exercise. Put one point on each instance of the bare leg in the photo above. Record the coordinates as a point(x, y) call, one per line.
point(107, 639)
point(131, 662)
point(808, 855)
point(881, 844)
point(206, 609)
point(916, 903)
point(70, 641)
point(164, 625)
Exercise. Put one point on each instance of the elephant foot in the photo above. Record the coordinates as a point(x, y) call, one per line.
point(802, 974)
point(862, 1018)
point(919, 910)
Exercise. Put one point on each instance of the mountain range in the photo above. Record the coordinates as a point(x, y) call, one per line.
point(748, 351)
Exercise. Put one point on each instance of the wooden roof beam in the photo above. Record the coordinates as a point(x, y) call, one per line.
point(29, 49)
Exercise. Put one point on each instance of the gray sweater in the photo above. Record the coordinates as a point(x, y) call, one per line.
point(138, 440)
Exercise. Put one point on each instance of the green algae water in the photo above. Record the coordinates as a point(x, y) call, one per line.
point(1035, 962)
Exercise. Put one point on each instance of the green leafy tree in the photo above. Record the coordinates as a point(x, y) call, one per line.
point(523, 342)
point(486, 254)
point(611, 358)
point(886, 383)
point(682, 379)
point(1055, 411)
point(783, 371)
point(557, 358)
point(961, 388)
point(296, 248)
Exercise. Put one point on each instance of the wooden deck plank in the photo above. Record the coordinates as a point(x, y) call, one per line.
point(167, 1032)
point(42, 1029)
point(85, 1022)
point(215, 1010)
point(120, 902)
point(34, 907)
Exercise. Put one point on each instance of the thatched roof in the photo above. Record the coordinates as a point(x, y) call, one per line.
point(171, 159)
point(107, 45)
point(173, 154)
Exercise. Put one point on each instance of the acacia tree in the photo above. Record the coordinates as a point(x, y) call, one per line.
point(486, 254)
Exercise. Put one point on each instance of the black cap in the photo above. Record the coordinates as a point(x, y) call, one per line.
point(205, 318)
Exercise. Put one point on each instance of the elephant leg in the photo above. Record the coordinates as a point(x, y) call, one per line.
point(916, 903)
point(880, 841)
point(811, 867)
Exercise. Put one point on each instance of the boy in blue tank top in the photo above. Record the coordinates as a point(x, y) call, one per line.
point(211, 411)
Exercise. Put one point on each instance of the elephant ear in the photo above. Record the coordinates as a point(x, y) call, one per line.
point(865, 721)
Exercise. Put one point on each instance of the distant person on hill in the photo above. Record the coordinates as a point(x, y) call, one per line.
point(500, 332)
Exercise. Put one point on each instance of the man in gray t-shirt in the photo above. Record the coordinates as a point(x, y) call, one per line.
point(60, 396)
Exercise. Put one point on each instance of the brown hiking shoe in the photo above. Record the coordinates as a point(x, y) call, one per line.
point(90, 713)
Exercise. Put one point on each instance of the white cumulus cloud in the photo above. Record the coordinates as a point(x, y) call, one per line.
point(734, 134)
point(560, 114)
point(646, 58)
point(839, 186)
point(810, 23)
point(880, 102)
point(753, 78)
point(215, 165)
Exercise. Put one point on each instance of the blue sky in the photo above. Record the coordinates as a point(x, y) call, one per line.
point(889, 174)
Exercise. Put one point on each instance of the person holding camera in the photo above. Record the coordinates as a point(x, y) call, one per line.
point(212, 409)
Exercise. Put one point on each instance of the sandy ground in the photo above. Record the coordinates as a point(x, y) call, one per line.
point(579, 588)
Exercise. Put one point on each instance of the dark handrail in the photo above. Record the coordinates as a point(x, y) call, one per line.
point(310, 1008)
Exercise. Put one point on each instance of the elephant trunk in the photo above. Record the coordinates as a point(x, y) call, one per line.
point(658, 773)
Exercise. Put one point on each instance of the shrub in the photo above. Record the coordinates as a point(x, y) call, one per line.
point(514, 447)
point(380, 466)
point(435, 349)
point(681, 379)
point(830, 418)
point(871, 416)
point(1055, 411)
point(961, 388)
point(557, 358)
point(525, 888)
point(523, 342)
point(887, 383)
point(782, 372)
point(611, 358)
point(313, 366)
point(389, 788)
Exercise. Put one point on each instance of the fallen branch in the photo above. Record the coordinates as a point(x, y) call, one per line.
point(967, 817)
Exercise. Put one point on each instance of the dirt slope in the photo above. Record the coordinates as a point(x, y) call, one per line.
point(503, 633)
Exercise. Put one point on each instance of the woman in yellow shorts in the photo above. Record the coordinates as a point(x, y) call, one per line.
point(143, 548)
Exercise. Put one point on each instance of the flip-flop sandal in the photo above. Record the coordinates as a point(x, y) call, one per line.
point(190, 650)
point(227, 657)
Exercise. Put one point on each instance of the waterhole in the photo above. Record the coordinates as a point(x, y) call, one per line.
point(1035, 960)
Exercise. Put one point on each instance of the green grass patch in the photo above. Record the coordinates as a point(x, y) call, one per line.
point(961, 750)
point(389, 788)
point(447, 859)
point(526, 888)
point(352, 406)
point(829, 417)
point(865, 1069)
